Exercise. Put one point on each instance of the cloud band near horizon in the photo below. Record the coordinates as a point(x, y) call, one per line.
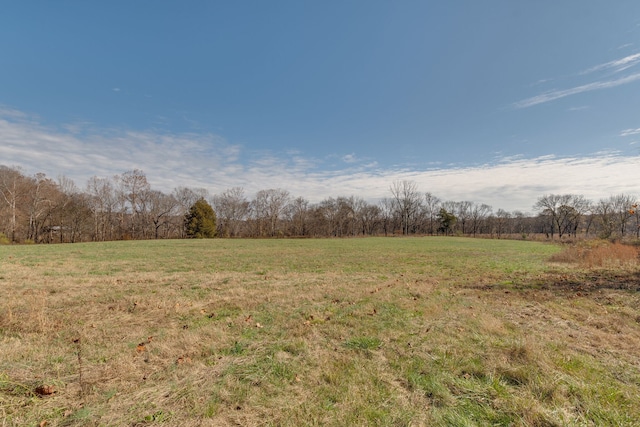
point(208, 161)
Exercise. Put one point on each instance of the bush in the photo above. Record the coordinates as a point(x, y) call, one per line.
point(4, 240)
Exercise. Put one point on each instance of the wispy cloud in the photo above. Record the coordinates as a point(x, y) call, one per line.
point(209, 161)
point(628, 132)
point(557, 94)
point(616, 66)
point(605, 70)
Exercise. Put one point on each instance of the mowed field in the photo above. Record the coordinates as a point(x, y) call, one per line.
point(351, 332)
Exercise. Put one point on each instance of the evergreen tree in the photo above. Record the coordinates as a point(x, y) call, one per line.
point(446, 220)
point(200, 221)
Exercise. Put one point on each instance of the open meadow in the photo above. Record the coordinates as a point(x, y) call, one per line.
point(429, 331)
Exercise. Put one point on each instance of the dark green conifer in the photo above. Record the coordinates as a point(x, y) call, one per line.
point(200, 221)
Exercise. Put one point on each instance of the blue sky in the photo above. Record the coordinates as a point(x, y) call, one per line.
point(497, 102)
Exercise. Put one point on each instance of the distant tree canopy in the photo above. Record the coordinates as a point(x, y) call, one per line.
point(37, 209)
point(200, 221)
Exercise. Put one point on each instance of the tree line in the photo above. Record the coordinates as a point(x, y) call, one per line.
point(39, 209)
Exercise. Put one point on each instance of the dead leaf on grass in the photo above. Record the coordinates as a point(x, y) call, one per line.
point(45, 390)
point(182, 360)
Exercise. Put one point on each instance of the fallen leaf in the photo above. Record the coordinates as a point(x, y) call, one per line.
point(45, 390)
point(181, 360)
point(140, 348)
point(43, 423)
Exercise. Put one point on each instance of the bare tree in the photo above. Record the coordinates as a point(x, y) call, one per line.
point(12, 191)
point(42, 195)
point(502, 222)
point(132, 185)
point(268, 207)
point(161, 209)
point(232, 209)
point(326, 217)
point(72, 212)
point(299, 214)
point(102, 202)
point(463, 214)
point(431, 209)
point(406, 200)
point(623, 210)
point(479, 214)
point(386, 215)
point(564, 211)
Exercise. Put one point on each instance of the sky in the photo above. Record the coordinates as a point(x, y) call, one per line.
point(497, 102)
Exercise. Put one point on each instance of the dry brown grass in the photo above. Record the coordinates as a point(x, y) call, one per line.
point(598, 253)
point(259, 345)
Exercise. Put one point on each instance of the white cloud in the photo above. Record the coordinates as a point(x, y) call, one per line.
point(208, 161)
point(349, 158)
point(607, 68)
point(616, 66)
point(628, 132)
point(557, 94)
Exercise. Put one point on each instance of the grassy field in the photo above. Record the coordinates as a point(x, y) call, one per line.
point(377, 331)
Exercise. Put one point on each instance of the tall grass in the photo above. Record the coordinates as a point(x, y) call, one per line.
point(599, 253)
